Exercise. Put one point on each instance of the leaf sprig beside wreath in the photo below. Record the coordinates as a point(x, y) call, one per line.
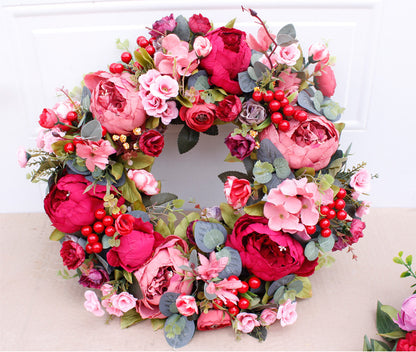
point(243, 263)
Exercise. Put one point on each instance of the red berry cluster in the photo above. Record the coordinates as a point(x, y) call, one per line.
point(243, 303)
point(104, 224)
point(329, 212)
point(280, 108)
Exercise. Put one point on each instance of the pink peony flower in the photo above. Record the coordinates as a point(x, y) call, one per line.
point(246, 322)
point(95, 153)
point(306, 144)
point(46, 138)
point(22, 157)
point(325, 81)
point(107, 289)
point(210, 268)
point(93, 278)
point(61, 109)
point(115, 102)
point(287, 313)
point(170, 113)
point(319, 52)
point(268, 316)
point(213, 319)
point(72, 254)
point(237, 191)
point(406, 319)
point(176, 60)
point(92, 304)
point(287, 55)
point(186, 305)
point(144, 181)
point(162, 273)
point(292, 205)
point(164, 87)
point(199, 24)
point(357, 227)
point(202, 46)
point(124, 301)
point(361, 181)
point(229, 56)
point(288, 82)
point(262, 42)
point(48, 118)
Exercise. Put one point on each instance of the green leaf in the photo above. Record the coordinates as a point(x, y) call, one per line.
point(385, 324)
point(255, 209)
point(296, 285)
point(391, 311)
point(180, 230)
point(184, 101)
point(326, 243)
point(117, 170)
point(367, 345)
point(259, 332)
point(182, 28)
point(228, 214)
point(187, 139)
point(279, 293)
point(157, 324)
point(398, 260)
point(162, 228)
point(336, 166)
point(171, 222)
point(409, 259)
point(306, 291)
point(201, 83)
point(130, 191)
point(144, 59)
point(394, 335)
point(56, 235)
point(405, 274)
point(262, 172)
point(128, 276)
point(130, 318)
point(140, 162)
point(178, 203)
point(212, 131)
point(213, 238)
point(162, 198)
point(304, 171)
point(232, 159)
point(230, 24)
point(152, 122)
point(122, 45)
point(311, 251)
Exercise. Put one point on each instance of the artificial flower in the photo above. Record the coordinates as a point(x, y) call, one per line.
point(72, 254)
point(287, 55)
point(202, 46)
point(200, 117)
point(144, 181)
point(199, 24)
point(361, 181)
point(325, 80)
point(237, 191)
point(319, 52)
point(268, 316)
point(92, 304)
point(93, 278)
point(406, 318)
point(186, 305)
point(151, 143)
point(252, 113)
point(240, 146)
point(162, 26)
point(210, 267)
point(95, 153)
point(246, 322)
point(287, 313)
point(229, 108)
point(213, 319)
point(262, 42)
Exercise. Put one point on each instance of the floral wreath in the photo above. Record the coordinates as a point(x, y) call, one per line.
point(244, 263)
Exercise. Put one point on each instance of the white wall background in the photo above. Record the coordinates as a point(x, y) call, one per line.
point(49, 44)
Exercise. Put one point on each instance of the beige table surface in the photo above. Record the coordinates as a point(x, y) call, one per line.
point(41, 311)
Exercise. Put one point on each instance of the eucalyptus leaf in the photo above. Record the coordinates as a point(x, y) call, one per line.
point(252, 73)
point(162, 198)
point(208, 235)
point(305, 101)
point(282, 168)
point(255, 56)
point(92, 131)
point(311, 251)
point(193, 79)
point(178, 331)
point(278, 283)
point(296, 285)
point(166, 301)
point(279, 293)
point(288, 29)
point(326, 243)
point(209, 296)
point(285, 40)
point(85, 98)
point(234, 265)
point(201, 83)
point(260, 70)
point(140, 215)
point(182, 28)
point(247, 84)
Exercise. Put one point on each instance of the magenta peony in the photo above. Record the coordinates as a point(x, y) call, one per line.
point(115, 102)
point(268, 254)
point(68, 207)
point(229, 56)
point(306, 144)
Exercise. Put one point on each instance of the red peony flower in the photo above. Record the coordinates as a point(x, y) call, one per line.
point(135, 247)
point(229, 108)
point(199, 24)
point(268, 254)
point(408, 343)
point(72, 254)
point(68, 207)
point(200, 117)
point(151, 143)
point(240, 147)
point(229, 56)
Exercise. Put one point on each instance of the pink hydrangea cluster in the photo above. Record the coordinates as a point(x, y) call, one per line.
point(155, 91)
point(293, 204)
point(117, 304)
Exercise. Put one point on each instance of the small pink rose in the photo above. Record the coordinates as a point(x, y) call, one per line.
point(92, 304)
point(164, 87)
point(268, 316)
point(364, 209)
point(287, 55)
point(144, 181)
point(237, 191)
point(202, 46)
point(170, 113)
point(154, 106)
point(325, 81)
point(147, 79)
point(287, 313)
point(246, 322)
point(186, 305)
point(124, 301)
point(319, 52)
point(361, 181)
